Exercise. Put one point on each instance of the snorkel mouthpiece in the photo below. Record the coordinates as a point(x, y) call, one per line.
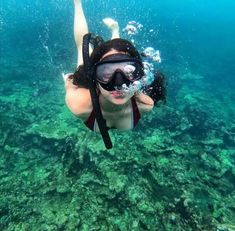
point(130, 89)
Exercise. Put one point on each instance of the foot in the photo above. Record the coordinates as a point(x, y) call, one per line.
point(111, 23)
point(76, 1)
point(113, 26)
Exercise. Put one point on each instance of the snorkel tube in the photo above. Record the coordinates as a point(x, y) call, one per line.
point(93, 40)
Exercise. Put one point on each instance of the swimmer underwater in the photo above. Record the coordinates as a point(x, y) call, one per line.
point(107, 91)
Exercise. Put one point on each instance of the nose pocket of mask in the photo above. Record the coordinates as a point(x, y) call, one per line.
point(119, 79)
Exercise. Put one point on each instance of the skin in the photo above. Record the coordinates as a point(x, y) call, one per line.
point(116, 108)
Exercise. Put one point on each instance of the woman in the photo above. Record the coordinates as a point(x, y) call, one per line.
point(116, 63)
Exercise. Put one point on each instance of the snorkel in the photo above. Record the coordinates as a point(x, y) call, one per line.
point(94, 40)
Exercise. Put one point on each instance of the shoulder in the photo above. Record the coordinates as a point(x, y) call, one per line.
point(79, 102)
point(144, 102)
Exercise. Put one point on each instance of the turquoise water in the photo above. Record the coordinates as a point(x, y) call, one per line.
point(175, 171)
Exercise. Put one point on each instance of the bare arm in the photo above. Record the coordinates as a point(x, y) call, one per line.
point(78, 99)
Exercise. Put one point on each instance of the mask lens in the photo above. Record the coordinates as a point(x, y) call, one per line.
point(132, 70)
point(104, 73)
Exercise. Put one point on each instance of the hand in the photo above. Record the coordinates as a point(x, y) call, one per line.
point(68, 80)
point(66, 76)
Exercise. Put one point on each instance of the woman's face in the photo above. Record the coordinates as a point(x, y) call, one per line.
point(116, 97)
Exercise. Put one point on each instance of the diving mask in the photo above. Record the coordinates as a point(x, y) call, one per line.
point(130, 68)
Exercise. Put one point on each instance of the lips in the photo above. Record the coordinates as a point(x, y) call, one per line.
point(117, 94)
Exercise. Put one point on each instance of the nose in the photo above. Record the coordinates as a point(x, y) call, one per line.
point(119, 80)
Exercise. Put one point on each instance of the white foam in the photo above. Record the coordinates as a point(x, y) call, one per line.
point(132, 28)
point(152, 54)
point(138, 85)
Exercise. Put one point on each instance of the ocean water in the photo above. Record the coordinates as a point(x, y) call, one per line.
point(174, 171)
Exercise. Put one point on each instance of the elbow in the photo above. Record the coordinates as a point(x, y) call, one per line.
point(78, 109)
point(72, 106)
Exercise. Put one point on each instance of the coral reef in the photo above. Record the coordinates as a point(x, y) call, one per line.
point(174, 172)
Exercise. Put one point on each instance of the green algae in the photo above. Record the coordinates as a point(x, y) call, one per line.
point(174, 172)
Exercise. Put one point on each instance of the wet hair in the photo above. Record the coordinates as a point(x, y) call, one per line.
point(156, 90)
point(121, 45)
point(118, 44)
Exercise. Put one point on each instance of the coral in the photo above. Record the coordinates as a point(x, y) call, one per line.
point(175, 171)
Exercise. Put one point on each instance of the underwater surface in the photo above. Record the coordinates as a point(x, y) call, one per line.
point(174, 171)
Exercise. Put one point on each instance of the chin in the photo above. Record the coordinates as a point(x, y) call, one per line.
point(119, 101)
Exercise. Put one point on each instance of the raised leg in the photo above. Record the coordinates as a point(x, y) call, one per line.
point(80, 28)
point(113, 27)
